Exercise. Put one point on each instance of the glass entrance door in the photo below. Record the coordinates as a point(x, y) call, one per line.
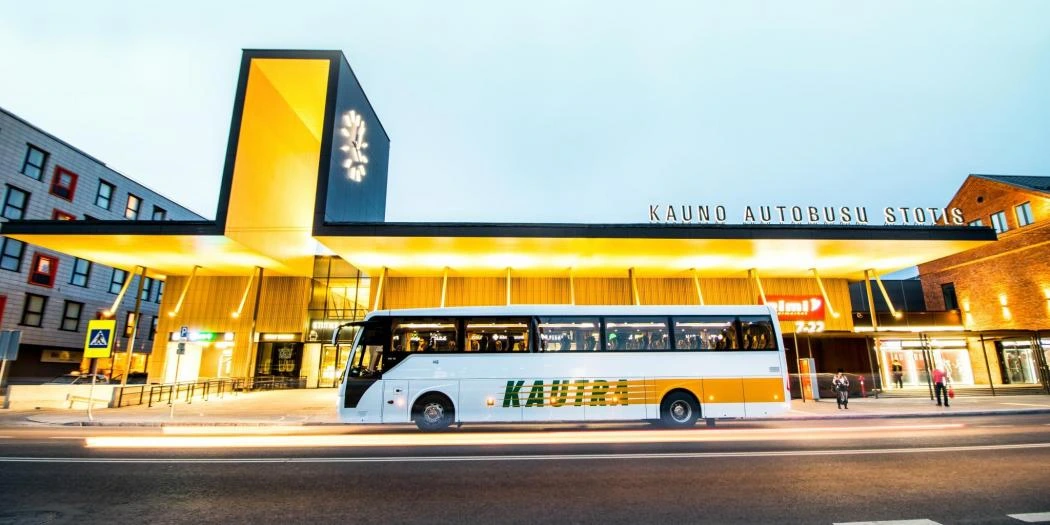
point(333, 362)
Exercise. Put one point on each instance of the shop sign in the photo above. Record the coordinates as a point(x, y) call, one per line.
point(61, 356)
point(271, 336)
point(827, 215)
point(201, 337)
point(797, 307)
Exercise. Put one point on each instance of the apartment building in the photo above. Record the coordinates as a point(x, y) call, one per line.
point(50, 296)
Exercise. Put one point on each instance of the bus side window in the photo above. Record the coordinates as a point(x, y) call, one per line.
point(567, 334)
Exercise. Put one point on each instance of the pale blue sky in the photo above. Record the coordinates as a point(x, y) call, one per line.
point(569, 111)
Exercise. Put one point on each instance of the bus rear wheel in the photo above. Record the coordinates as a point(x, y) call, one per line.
point(679, 410)
point(432, 413)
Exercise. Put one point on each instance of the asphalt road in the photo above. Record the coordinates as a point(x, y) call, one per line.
point(946, 470)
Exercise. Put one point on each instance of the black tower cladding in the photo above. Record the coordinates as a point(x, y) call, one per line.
point(360, 152)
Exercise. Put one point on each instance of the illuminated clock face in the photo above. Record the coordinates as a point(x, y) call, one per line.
point(352, 129)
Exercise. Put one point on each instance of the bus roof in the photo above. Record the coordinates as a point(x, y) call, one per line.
point(570, 310)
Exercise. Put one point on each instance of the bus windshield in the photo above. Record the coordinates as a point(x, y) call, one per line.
point(366, 359)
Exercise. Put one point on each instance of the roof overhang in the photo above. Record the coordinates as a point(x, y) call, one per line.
point(604, 250)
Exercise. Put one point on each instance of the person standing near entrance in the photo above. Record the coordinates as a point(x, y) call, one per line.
point(898, 373)
point(840, 383)
point(940, 388)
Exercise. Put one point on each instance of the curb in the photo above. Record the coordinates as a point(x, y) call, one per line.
point(157, 424)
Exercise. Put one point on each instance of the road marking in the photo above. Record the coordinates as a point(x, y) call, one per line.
point(994, 426)
point(891, 522)
point(537, 457)
point(490, 438)
point(65, 437)
point(1026, 405)
point(1035, 517)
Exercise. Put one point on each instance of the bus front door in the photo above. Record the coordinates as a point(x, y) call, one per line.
point(395, 401)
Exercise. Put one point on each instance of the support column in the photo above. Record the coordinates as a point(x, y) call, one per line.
point(379, 290)
point(182, 295)
point(634, 287)
point(444, 285)
point(572, 287)
point(696, 285)
point(824, 294)
point(885, 296)
point(134, 328)
point(871, 302)
point(753, 274)
point(250, 361)
point(508, 286)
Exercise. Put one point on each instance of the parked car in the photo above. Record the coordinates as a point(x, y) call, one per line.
point(78, 379)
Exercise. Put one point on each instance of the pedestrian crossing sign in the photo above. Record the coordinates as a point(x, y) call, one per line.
point(99, 341)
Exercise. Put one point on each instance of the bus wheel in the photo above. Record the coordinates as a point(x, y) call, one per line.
point(432, 412)
point(679, 410)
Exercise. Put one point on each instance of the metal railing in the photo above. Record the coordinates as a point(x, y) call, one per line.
point(204, 389)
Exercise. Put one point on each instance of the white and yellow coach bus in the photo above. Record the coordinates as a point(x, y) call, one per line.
point(440, 366)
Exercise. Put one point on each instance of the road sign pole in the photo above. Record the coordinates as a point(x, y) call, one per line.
point(174, 386)
point(91, 391)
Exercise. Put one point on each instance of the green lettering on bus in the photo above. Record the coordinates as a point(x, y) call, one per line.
point(559, 391)
point(598, 390)
point(535, 394)
point(510, 397)
point(621, 392)
point(581, 389)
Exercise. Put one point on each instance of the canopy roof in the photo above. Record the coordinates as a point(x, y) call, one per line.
point(275, 188)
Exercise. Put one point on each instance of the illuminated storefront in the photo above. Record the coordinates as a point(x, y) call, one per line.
point(300, 245)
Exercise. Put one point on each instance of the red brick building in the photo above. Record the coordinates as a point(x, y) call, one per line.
point(1002, 289)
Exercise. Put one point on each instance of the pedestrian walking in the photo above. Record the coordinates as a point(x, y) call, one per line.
point(840, 383)
point(898, 373)
point(940, 385)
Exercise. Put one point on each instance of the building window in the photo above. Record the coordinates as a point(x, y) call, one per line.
point(131, 211)
point(152, 328)
point(999, 222)
point(81, 272)
point(977, 222)
point(129, 323)
point(104, 197)
point(64, 183)
point(33, 310)
point(147, 288)
point(950, 301)
point(11, 255)
point(59, 215)
point(1024, 214)
point(42, 273)
point(33, 165)
point(160, 290)
point(71, 316)
point(159, 214)
point(15, 202)
point(116, 281)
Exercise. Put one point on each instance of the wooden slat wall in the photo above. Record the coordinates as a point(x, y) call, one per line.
point(540, 290)
point(605, 290)
point(420, 292)
point(209, 305)
point(475, 291)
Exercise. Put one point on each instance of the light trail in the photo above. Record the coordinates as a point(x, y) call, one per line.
point(537, 457)
point(587, 437)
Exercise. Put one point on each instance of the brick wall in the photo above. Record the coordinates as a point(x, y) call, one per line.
point(1015, 269)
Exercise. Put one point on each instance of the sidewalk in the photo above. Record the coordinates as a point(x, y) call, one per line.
point(318, 407)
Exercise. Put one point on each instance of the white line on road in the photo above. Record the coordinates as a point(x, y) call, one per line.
point(892, 522)
point(1035, 517)
point(1027, 405)
point(537, 457)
